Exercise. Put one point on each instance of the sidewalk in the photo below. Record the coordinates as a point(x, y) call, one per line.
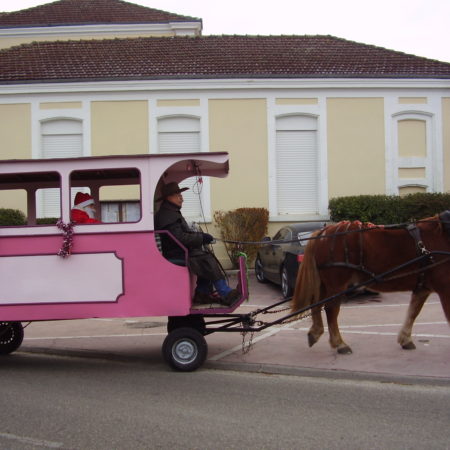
point(368, 324)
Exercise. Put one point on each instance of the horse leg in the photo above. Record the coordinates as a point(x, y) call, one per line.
point(316, 329)
point(415, 306)
point(336, 341)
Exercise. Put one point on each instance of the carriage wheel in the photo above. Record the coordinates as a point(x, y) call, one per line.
point(259, 272)
point(185, 349)
point(11, 337)
point(285, 287)
point(195, 321)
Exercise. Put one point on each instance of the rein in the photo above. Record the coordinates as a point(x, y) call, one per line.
point(329, 236)
point(424, 257)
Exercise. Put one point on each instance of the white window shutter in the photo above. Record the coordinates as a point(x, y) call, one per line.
point(184, 142)
point(61, 146)
point(297, 172)
point(60, 139)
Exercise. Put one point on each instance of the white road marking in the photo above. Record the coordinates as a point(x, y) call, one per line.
point(373, 304)
point(380, 305)
point(31, 441)
point(256, 339)
point(386, 333)
point(389, 325)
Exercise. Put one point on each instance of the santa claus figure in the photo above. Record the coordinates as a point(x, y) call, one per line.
point(84, 209)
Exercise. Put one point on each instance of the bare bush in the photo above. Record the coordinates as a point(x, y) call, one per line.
point(242, 225)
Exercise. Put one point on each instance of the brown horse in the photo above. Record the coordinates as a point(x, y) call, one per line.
point(350, 253)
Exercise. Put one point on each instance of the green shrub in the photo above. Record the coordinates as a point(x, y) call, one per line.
point(11, 217)
point(243, 225)
point(388, 209)
point(47, 220)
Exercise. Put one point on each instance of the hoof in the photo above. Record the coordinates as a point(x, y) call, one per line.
point(409, 346)
point(311, 340)
point(344, 350)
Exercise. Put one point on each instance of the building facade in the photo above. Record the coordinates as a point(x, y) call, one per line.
point(304, 118)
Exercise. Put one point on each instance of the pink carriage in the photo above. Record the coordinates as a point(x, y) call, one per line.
point(123, 271)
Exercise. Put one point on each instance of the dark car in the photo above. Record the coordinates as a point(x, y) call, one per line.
point(278, 262)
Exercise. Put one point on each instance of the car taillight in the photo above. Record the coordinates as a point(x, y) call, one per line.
point(300, 258)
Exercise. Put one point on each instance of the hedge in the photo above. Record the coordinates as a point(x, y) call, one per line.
point(12, 217)
point(385, 209)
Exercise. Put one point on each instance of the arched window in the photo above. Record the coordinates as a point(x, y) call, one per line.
point(297, 165)
point(414, 156)
point(181, 134)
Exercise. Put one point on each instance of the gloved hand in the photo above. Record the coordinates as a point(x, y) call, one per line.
point(207, 238)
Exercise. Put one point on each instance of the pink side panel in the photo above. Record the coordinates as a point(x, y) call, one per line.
point(152, 286)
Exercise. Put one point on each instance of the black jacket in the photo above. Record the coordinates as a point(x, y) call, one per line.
point(201, 262)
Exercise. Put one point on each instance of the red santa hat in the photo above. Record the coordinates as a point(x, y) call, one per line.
point(82, 200)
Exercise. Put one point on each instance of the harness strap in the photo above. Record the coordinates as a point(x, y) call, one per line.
point(347, 265)
point(421, 250)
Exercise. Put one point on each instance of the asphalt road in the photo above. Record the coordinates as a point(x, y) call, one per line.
point(73, 403)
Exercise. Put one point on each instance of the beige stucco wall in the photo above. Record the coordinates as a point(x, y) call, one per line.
point(178, 102)
point(239, 127)
point(119, 128)
point(412, 138)
point(411, 100)
point(296, 101)
point(15, 131)
point(356, 146)
point(60, 105)
point(446, 141)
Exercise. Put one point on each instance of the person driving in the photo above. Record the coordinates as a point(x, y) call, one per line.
point(201, 262)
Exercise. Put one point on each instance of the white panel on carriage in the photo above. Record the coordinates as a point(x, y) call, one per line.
point(81, 278)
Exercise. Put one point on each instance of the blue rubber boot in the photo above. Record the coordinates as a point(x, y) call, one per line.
point(228, 296)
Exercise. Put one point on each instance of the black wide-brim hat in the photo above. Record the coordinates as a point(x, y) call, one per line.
point(171, 189)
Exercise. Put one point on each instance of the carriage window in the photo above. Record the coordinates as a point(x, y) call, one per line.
point(30, 199)
point(13, 207)
point(123, 206)
point(116, 193)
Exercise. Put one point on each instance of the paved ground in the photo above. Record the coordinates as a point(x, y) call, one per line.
point(368, 324)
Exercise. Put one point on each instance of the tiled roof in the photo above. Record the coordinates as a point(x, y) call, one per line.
point(210, 57)
point(82, 12)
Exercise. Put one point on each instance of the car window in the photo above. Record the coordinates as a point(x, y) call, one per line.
point(283, 235)
point(304, 236)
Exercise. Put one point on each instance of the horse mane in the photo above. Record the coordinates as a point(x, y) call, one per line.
point(307, 285)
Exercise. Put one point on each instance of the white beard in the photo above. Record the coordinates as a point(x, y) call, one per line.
point(90, 212)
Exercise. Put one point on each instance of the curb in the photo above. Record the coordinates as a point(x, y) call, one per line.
point(269, 369)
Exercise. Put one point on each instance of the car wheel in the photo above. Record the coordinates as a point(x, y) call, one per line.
point(285, 285)
point(185, 349)
point(259, 272)
point(11, 337)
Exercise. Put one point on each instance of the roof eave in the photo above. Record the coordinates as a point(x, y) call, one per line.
point(222, 83)
point(179, 28)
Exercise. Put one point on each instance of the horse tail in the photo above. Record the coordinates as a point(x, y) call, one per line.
point(307, 285)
